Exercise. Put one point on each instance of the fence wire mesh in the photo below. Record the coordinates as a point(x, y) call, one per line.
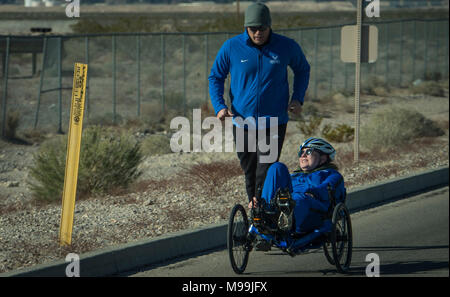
point(148, 76)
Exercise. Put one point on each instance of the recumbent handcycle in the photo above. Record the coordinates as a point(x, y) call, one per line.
point(274, 224)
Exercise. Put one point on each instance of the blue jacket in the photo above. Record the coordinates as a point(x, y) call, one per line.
point(259, 78)
point(300, 183)
point(317, 183)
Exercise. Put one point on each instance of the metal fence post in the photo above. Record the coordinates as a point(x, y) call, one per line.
point(425, 67)
point(330, 30)
point(5, 85)
point(114, 77)
point(414, 51)
point(163, 95)
point(316, 48)
point(437, 44)
point(86, 60)
point(59, 86)
point(184, 74)
point(401, 53)
point(206, 67)
point(44, 58)
point(138, 74)
point(446, 43)
point(387, 52)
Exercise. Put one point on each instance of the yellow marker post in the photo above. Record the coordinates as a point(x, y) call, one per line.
point(73, 153)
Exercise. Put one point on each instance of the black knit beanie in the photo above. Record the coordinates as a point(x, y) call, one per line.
point(257, 14)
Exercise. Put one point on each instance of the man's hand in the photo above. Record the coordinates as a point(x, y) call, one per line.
point(253, 203)
point(223, 113)
point(295, 107)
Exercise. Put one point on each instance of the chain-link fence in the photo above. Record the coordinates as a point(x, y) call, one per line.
point(146, 76)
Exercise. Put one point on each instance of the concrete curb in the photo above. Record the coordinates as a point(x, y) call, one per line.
point(397, 188)
point(131, 256)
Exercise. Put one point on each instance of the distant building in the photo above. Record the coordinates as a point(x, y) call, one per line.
point(34, 3)
point(390, 3)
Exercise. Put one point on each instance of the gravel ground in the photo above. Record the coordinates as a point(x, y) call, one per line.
point(171, 197)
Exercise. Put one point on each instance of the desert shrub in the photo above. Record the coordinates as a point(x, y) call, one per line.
point(342, 101)
point(48, 170)
point(431, 88)
point(436, 76)
point(309, 127)
point(340, 133)
point(11, 124)
point(394, 127)
point(156, 144)
point(108, 159)
point(375, 85)
point(9, 133)
point(34, 135)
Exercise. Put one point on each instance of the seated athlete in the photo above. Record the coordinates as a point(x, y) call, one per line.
point(308, 185)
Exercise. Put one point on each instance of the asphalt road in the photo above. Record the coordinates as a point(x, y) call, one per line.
point(409, 236)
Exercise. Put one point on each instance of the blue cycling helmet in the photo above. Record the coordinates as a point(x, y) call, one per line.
point(320, 145)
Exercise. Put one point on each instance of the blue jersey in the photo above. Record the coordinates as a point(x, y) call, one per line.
point(317, 183)
point(300, 183)
point(259, 78)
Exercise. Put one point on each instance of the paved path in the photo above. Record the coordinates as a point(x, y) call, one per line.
point(410, 236)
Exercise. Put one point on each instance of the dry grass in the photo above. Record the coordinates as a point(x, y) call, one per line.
point(120, 195)
point(432, 88)
point(345, 160)
point(4, 209)
point(202, 178)
point(209, 176)
point(384, 164)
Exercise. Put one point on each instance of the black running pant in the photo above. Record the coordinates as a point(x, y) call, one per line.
point(254, 169)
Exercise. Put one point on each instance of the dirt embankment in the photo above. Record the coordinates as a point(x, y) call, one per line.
point(173, 195)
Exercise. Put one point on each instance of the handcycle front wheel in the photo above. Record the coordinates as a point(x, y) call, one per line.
point(237, 242)
point(341, 238)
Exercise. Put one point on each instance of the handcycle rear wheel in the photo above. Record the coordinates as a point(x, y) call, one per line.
point(327, 250)
point(341, 238)
point(238, 250)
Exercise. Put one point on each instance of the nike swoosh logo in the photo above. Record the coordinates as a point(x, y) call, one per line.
point(243, 61)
